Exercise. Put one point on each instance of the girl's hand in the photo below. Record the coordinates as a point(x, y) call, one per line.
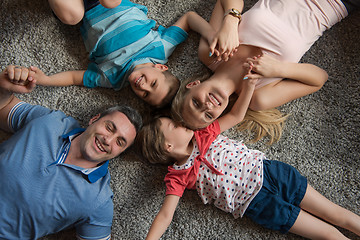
point(249, 79)
point(264, 66)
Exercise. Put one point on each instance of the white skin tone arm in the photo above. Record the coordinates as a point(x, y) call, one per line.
point(300, 79)
point(61, 79)
point(227, 39)
point(192, 21)
point(7, 99)
point(164, 217)
point(238, 111)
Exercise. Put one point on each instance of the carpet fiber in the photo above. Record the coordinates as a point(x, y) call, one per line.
point(321, 137)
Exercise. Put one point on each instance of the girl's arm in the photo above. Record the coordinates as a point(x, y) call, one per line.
point(238, 111)
point(300, 79)
point(164, 217)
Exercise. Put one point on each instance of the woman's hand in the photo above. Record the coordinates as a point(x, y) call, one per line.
point(226, 39)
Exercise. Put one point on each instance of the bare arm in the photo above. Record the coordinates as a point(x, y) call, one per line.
point(227, 38)
point(7, 99)
point(22, 76)
point(300, 79)
point(192, 21)
point(61, 79)
point(163, 218)
point(238, 111)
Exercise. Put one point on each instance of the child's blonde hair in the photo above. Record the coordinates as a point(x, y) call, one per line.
point(151, 142)
point(259, 124)
point(174, 84)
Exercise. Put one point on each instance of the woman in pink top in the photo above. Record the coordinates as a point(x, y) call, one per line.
point(277, 33)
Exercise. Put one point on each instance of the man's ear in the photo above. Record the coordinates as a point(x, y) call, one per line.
point(162, 67)
point(94, 119)
point(192, 84)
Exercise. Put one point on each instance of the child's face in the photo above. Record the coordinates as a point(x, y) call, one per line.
point(203, 103)
point(149, 83)
point(179, 137)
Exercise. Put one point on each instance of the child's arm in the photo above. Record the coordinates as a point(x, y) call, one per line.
point(163, 218)
point(299, 79)
point(238, 111)
point(192, 21)
point(59, 79)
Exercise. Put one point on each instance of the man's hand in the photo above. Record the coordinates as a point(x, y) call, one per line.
point(17, 79)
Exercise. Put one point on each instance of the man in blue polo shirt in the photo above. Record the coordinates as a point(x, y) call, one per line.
point(53, 174)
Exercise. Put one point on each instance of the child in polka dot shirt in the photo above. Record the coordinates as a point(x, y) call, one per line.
point(238, 180)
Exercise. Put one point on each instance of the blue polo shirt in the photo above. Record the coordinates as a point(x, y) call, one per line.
point(39, 193)
point(118, 39)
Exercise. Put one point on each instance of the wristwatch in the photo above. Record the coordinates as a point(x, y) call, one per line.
point(233, 12)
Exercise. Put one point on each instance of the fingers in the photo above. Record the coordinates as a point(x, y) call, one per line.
point(18, 75)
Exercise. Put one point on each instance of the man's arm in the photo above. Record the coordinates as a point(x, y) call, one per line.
point(7, 99)
point(105, 238)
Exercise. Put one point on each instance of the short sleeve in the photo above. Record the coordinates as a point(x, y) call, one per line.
point(22, 113)
point(175, 182)
point(171, 37)
point(98, 224)
point(94, 77)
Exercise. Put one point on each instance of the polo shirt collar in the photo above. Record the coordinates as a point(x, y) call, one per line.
point(91, 174)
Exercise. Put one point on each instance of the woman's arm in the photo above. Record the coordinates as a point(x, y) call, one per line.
point(300, 79)
point(163, 218)
point(227, 38)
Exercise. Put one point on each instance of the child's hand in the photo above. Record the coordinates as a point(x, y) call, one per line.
point(263, 66)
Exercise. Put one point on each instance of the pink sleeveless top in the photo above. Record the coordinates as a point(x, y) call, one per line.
point(286, 29)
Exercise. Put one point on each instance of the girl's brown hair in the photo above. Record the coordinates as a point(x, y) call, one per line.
point(151, 142)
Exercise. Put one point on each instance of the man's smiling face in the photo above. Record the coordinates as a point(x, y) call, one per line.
point(107, 137)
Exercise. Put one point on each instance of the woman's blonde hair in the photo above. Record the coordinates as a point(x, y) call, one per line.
point(258, 124)
point(151, 142)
